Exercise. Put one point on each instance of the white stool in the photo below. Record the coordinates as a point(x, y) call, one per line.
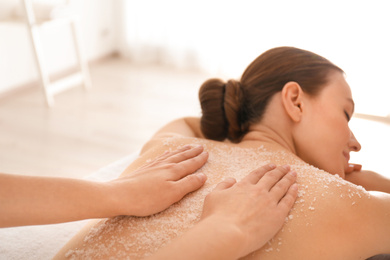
point(50, 88)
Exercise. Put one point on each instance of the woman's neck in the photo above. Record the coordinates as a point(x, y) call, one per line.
point(269, 137)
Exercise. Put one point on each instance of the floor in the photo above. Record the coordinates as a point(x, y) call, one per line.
point(85, 131)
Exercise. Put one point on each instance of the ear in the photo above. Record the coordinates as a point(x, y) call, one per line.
point(292, 99)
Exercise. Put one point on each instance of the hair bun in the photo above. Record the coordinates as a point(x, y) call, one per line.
point(213, 122)
point(221, 105)
point(234, 107)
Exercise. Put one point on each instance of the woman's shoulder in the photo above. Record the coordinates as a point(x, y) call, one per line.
point(332, 213)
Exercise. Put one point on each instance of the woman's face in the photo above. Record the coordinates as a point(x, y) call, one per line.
point(325, 139)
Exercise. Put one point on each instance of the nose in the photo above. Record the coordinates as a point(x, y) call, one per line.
point(354, 145)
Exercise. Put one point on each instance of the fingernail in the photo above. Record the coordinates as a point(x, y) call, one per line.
point(202, 177)
point(186, 147)
point(293, 173)
point(271, 165)
point(294, 186)
point(287, 167)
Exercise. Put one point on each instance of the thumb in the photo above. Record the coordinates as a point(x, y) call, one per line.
point(190, 183)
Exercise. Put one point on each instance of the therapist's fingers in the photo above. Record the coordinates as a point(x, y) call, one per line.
point(225, 184)
point(172, 158)
point(169, 154)
point(164, 157)
point(185, 153)
point(281, 188)
point(257, 174)
point(189, 184)
point(189, 166)
point(288, 200)
point(273, 177)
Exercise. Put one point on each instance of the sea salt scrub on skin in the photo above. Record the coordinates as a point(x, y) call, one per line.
point(138, 237)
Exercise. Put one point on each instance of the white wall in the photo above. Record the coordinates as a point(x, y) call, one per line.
point(225, 36)
point(17, 65)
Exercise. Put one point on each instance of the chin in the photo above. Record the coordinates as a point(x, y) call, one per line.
point(342, 175)
point(335, 171)
point(340, 172)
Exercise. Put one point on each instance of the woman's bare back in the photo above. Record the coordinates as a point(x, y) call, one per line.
point(324, 223)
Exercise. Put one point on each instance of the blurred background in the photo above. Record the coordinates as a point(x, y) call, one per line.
point(147, 59)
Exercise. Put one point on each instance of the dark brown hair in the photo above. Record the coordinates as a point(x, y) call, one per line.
point(228, 108)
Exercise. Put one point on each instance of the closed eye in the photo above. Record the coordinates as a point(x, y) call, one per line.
point(347, 115)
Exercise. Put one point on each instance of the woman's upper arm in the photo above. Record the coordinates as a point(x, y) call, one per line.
point(379, 223)
point(356, 223)
point(370, 225)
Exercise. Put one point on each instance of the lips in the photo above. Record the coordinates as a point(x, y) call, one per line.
point(346, 155)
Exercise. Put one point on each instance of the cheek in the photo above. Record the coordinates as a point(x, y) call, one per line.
point(341, 132)
point(311, 142)
point(333, 139)
point(321, 141)
point(333, 134)
point(333, 127)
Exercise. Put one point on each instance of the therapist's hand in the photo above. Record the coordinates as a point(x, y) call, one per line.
point(238, 217)
point(256, 206)
point(31, 200)
point(160, 183)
